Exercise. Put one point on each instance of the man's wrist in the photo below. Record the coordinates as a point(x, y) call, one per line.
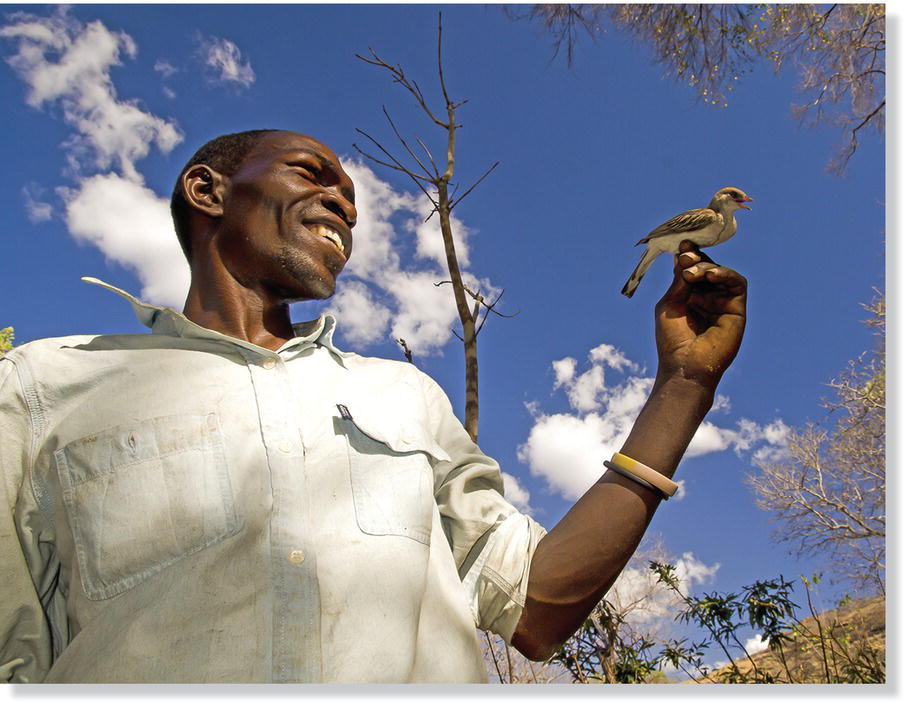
point(661, 434)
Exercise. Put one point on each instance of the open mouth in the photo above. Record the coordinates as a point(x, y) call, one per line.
point(329, 234)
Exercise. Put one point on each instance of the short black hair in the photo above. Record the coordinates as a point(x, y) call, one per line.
point(223, 154)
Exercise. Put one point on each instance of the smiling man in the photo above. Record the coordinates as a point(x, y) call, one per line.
point(231, 498)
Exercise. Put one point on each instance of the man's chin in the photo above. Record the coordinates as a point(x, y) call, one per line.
point(308, 281)
point(309, 289)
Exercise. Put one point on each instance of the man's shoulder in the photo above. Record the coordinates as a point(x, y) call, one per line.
point(388, 373)
point(41, 352)
point(387, 368)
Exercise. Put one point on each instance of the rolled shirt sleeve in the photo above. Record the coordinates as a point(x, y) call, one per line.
point(26, 566)
point(492, 542)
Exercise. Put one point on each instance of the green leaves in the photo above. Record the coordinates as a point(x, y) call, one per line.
point(6, 339)
point(608, 650)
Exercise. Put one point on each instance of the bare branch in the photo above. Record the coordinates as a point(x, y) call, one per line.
point(440, 61)
point(405, 145)
point(478, 298)
point(430, 156)
point(397, 164)
point(399, 77)
point(477, 182)
point(407, 352)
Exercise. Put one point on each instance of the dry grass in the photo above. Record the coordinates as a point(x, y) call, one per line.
point(854, 650)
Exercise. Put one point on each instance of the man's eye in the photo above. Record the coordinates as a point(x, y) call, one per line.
point(307, 171)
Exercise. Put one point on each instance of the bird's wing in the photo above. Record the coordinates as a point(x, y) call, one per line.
point(691, 220)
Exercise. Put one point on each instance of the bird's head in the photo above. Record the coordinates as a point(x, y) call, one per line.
point(729, 199)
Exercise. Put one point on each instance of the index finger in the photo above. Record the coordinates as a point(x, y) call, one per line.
point(686, 245)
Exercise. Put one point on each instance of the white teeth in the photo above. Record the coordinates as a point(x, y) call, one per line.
point(328, 233)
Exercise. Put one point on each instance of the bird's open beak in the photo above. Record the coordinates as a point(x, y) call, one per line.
point(742, 203)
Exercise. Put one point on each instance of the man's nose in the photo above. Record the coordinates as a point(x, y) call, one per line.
point(341, 206)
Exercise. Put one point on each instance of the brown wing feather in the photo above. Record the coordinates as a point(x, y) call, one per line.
point(691, 220)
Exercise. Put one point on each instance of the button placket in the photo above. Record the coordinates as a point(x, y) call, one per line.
point(296, 604)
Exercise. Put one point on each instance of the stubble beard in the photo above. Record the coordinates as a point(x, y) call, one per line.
point(315, 281)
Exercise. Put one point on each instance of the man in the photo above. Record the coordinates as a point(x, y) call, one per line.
point(231, 498)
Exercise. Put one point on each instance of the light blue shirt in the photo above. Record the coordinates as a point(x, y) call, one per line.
point(183, 506)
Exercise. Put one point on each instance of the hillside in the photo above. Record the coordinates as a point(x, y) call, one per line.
point(855, 650)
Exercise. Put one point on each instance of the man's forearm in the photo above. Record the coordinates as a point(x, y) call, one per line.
point(577, 561)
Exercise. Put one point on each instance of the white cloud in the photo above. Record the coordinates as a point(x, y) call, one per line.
point(755, 644)
point(614, 358)
point(564, 371)
point(132, 227)
point(431, 243)
point(567, 449)
point(395, 265)
point(516, 494)
point(682, 490)
point(646, 602)
point(721, 403)
point(165, 68)
point(67, 63)
point(708, 438)
point(363, 320)
point(374, 253)
point(584, 393)
point(222, 58)
point(36, 210)
point(424, 313)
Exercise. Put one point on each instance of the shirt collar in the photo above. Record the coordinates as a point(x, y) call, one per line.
point(167, 321)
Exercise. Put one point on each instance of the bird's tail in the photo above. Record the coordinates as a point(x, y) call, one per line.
point(646, 261)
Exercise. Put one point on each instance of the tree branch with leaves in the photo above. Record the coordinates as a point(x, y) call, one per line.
point(838, 49)
point(828, 495)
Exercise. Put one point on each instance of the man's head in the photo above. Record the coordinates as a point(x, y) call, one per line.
point(274, 207)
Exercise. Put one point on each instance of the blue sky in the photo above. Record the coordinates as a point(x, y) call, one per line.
point(591, 159)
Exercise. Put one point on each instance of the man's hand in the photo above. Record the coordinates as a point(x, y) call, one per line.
point(700, 320)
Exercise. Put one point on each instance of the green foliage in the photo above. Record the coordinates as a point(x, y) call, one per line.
point(6, 339)
point(606, 650)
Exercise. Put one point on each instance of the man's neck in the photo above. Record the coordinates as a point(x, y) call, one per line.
point(249, 312)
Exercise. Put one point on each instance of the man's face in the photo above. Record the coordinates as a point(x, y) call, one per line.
point(288, 216)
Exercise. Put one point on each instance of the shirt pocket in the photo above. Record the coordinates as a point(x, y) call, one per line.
point(391, 469)
point(142, 496)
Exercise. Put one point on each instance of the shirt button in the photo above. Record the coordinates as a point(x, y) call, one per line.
point(285, 446)
point(269, 363)
point(296, 557)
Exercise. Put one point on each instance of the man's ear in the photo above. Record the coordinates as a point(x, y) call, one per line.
point(204, 189)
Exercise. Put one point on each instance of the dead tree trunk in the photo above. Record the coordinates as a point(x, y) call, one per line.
point(436, 185)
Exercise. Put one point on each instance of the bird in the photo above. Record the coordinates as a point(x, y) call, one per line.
point(703, 227)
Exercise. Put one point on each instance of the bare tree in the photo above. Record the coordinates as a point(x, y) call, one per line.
point(472, 307)
point(828, 496)
point(838, 49)
point(507, 665)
